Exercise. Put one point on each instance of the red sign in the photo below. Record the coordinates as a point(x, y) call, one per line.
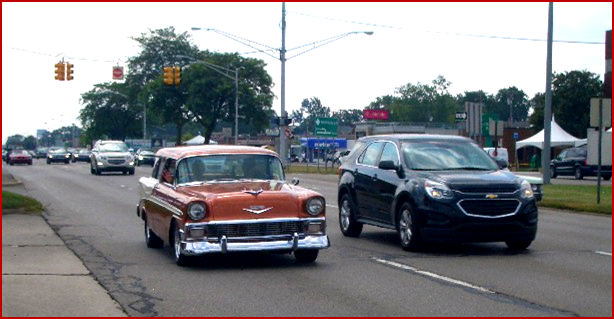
point(375, 114)
point(118, 73)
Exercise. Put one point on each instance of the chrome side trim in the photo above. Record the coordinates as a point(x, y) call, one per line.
point(166, 206)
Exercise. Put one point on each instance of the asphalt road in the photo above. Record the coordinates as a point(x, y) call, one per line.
point(566, 272)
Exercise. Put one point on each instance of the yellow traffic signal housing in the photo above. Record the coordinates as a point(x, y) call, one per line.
point(168, 75)
point(69, 72)
point(60, 71)
point(177, 77)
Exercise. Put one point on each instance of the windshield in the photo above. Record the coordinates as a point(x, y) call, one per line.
point(216, 168)
point(446, 155)
point(114, 148)
point(58, 150)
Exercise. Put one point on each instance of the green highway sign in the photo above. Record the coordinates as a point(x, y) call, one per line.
point(326, 126)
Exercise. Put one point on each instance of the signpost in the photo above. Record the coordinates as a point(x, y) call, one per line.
point(461, 116)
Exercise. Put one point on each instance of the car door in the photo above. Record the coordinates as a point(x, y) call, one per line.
point(386, 184)
point(162, 199)
point(558, 162)
point(365, 175)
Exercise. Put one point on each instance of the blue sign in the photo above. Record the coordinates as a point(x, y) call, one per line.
point(516, 135)
point(322, 142)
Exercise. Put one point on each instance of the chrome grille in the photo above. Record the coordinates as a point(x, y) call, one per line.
point(255, 229)
point(116, 161)
point(489, 207)
point(479, 189)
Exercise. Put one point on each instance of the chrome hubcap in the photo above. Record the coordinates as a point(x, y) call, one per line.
point(405, 227)
point(344, 215)
point(177, 243)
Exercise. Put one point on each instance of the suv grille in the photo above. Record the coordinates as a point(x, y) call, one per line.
point(473, 189)
point(489, 208)
point(255, 229)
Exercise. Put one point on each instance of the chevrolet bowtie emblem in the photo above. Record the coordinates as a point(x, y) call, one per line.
point(492, 196)
point(257, 209)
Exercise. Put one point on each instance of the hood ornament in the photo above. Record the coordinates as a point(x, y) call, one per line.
point(253, 192)
point(257, 209)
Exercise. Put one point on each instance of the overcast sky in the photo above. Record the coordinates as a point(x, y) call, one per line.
point(475, 46)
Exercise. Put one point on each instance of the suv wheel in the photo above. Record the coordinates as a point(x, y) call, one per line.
point(518, 245)
point(578, 173)
point(347, 217)
point(552, 172)
point(407, 228)
point(607, 177)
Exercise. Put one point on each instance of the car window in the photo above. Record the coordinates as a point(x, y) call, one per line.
point(155, 172)
point(369, 156)
point(390, 153)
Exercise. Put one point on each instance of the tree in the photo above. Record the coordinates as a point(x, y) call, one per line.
point(14, 140)
point(106, 113)
point(29, 142)
point(519, 105)
point(348, 117)
point(211, 96)
point(312, 109)
point(425, 103)
point(161, 48)
point(571, 95)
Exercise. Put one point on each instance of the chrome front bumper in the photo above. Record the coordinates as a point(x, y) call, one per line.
point(224, 246)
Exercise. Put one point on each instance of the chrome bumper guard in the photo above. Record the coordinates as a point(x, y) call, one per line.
point(223, 246)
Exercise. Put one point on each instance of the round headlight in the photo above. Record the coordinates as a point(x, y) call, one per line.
point(197, 211)
point(315, 206)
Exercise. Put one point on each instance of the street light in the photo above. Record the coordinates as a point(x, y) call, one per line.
point(283, 59)
point(220, 69)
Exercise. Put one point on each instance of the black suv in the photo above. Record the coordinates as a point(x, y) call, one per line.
point(433, 188)
point(572, 161)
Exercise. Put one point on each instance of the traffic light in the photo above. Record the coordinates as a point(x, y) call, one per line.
point(168, 75)
point(177, 77)
point(69, 71)
point(60, 71)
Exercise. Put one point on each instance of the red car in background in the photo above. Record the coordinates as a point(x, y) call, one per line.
point(20, 157)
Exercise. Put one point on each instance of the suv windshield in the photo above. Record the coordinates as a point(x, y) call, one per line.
point(445, 155)
point(114, 147)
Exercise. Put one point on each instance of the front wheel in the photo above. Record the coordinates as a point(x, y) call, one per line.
point(407, 228)
point(578, 173)
point(347, 217)
point(552, 172)
point(306, 255)
point(607, 177)
point(180, 258)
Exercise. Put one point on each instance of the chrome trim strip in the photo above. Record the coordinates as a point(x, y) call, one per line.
point(166, 206)
point(257, 221)
point(489, 200)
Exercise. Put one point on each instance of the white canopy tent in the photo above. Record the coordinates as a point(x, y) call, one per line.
point(558, 137)
point(198, 140)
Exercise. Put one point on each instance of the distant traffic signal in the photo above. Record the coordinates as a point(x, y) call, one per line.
point(168, 75)
point(69, 71)
point(177, 76)
point(60, 71)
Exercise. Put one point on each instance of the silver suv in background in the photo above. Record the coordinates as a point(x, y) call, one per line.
point(111, 156)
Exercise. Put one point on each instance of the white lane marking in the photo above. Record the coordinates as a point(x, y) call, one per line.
point(603, 253)
point(433, 275)
point(331, 206)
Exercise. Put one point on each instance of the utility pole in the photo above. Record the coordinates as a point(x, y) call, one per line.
point(548, 106)
point(283, 115)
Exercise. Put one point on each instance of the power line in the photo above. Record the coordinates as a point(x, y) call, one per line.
point(443, 33)
point(60, 55)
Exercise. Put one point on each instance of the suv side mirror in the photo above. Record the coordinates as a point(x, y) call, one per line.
point(387, 165)
point(502, 163)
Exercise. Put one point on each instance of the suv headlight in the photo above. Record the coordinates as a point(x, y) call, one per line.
point(197, 211)
point(437, 190)
point(315, 206)
point(525, 189)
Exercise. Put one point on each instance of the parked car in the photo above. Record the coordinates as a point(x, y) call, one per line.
point(83, 155)
point(19, 157)
point(572, 162)
point(499, 153)
point(222, 199)
point(434, 188)
point(58, 154)
point(111, 156)
point(145, 156)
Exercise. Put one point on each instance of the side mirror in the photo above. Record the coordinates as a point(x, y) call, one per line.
point(387, 165)
point(502, 163)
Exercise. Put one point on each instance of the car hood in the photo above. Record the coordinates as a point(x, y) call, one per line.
point(251, 200)
point(476, 180)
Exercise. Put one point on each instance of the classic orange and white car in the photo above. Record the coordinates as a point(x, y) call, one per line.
point(222, 199)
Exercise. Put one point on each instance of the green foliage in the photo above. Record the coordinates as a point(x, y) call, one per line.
point(11, 200)
point(581, 198)
point(347, 117)
point(424, 103)
point(571, 95)
point(310, 110)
